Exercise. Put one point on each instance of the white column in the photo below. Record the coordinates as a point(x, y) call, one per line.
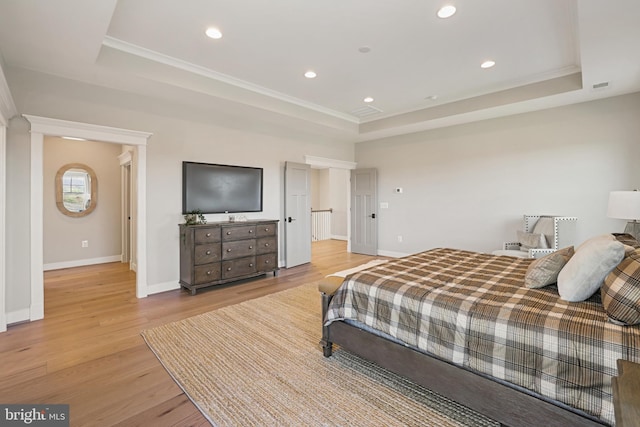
point(36, 308)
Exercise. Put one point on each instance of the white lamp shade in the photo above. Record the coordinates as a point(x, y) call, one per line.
point(624, 205)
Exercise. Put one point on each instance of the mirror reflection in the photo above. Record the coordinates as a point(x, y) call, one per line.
point(76, 190)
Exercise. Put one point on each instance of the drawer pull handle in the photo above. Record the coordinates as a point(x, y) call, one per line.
point(266, 262)
point(208, 252)
point(251, 264)
point(266, 229)
point(209, 273)
point(229, 250)
point(228, 268)
point(208, 234)
point(266, 244)
point(228, 233)
point(250, 247)
point(250, 231)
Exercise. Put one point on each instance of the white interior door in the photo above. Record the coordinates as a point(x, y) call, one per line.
point(297, 213)
point(364, 224)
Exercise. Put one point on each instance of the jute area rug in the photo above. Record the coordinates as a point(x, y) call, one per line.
point(259, 363)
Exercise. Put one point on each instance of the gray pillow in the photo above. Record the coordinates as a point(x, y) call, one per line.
point(585, 271)
point(544, 271)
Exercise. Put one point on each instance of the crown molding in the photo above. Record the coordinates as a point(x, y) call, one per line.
point(142, 52)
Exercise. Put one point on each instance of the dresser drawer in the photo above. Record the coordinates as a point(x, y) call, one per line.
point(222, 252)
point(238, 249)
point(238, 232)
point(238, 267)
point(263, 230)
point(266, 245)
point(266, 262)
point(207, 273)
point(207, 235)
point(205, 254)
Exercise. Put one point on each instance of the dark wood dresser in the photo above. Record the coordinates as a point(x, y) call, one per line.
point(222, 252)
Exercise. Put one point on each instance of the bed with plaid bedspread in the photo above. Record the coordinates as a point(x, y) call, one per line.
point(473, 310)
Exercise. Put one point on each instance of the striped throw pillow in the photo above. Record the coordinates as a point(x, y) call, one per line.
point(621, 291)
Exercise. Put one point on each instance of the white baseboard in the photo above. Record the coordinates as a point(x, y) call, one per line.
point(18, 316)
point(335, 237)
point(392, 254)
point(81, 262)
point(162, 287)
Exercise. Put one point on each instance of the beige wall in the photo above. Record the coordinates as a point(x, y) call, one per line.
point(315, 188)
point(102, 228)
point(339, 185)
point(468, 186)
point(324, 198)
point(464, 186)
point(180, 132)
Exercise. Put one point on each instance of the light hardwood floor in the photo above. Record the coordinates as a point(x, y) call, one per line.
point(88, 352)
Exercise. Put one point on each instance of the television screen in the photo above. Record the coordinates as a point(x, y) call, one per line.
point(212, 188)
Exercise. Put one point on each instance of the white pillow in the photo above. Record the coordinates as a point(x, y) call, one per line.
point(584, 273)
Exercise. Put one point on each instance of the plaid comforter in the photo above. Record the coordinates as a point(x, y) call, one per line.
point(473, 310)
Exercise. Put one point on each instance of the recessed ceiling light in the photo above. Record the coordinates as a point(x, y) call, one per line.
point(432, 97)
point(310, 74)
point(364, 49)
point(368, 99)
point(446, 11)
point(488, 64)
point(213, 33)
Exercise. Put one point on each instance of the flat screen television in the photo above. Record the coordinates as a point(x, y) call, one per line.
point(212, 188)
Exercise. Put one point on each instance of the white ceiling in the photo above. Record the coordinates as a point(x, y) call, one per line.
point(547, 53)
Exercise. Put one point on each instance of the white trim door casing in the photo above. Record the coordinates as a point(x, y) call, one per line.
point(41, 126)
point(125, 160)
point(8, 110)
point(3, 188)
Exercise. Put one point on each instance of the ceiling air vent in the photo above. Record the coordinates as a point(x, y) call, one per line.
point(366, 111)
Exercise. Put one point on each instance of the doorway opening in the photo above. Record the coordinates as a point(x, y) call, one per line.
point(330, 194)
point(329, 204)
point(41, 126)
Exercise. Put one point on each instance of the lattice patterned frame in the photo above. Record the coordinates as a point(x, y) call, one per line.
point(564, 234)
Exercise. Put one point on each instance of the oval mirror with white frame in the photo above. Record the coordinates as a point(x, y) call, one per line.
point(76, 190)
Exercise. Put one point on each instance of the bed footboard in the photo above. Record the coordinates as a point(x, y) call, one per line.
point(506, 405)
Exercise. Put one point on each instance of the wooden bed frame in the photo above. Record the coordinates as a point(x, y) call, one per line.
point(506, 405)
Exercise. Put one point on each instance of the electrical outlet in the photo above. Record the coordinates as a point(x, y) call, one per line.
point(384, 205)
point(85, 243)
point(399, 239)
